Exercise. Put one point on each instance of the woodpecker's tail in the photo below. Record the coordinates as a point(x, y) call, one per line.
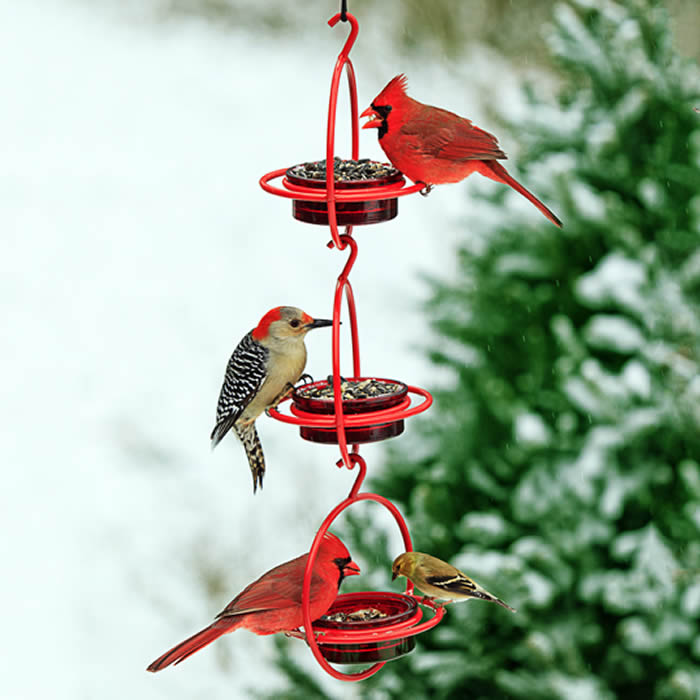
point(256, 459)
point(495, 171)
point(184, 649)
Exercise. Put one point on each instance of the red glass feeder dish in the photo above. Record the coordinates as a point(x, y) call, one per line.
point(354, 202)
point(392, 610)
point(366, 211)
point(303, 402)
point(350, 422)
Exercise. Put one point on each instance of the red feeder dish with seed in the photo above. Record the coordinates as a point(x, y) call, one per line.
point(360, 614)
point(350, 175)
point(361, 395)
point(373, 626)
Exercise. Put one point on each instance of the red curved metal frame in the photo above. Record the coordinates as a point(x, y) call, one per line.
point(349, 458)
point(316, 194)
point(401, 629)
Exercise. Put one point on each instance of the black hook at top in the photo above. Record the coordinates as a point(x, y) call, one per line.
point(343, 10)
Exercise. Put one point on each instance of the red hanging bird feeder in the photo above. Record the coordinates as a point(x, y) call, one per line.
point(340, 637)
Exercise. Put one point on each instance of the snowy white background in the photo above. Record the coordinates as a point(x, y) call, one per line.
point(137, 248)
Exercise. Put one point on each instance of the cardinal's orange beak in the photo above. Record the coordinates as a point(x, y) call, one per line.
point(374, 123)
point(351, 569)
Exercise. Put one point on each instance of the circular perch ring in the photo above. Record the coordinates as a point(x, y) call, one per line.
point(388, 633)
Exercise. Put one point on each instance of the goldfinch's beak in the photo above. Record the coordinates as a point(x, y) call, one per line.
point(373, 123)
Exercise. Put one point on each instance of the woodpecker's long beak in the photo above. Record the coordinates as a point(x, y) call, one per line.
point(351, 569)
point(373, 123)
point(319, 323)
point(393, 575)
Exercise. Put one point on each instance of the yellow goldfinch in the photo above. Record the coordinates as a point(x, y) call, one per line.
point(438, 579)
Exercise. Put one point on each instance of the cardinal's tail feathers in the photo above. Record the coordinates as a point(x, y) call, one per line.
point(494, 170)
point(184, 649)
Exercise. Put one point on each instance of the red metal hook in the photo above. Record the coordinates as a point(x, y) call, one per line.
point(343, 61)
point(346, 239)
point(360, 476)
point(354, 31)
point(343, 284)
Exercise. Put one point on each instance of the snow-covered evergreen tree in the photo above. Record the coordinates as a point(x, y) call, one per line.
point(561, 467)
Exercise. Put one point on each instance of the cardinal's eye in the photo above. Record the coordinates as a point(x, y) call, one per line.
point(295, 323)
point(382, 110)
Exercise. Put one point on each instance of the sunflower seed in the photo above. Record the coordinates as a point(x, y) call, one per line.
point(345, 170)
point(351, 389)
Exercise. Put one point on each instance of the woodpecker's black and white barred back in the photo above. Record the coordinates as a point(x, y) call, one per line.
point(245, 373)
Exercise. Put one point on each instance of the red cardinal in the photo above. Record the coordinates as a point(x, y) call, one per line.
point(434, 146)
point(273, 602)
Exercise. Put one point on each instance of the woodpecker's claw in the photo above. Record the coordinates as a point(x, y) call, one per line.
point(306, 378)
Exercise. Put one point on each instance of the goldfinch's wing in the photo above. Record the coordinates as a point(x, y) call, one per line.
point(460, 585)
point(455, 584)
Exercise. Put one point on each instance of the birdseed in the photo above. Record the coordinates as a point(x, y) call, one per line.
point(351, 389)
point(345, 170)
point(362, 615)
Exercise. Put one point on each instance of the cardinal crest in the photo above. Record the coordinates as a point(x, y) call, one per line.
point(397, 84)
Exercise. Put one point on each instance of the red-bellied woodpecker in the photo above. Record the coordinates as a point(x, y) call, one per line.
point(262, 370)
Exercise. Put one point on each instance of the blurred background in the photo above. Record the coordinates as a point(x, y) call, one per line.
point(559, 466)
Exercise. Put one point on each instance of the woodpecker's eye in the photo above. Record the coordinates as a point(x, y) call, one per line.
point(295, 323)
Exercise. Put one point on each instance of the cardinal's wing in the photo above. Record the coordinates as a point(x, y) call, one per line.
point(278, 588)
point(444, 135)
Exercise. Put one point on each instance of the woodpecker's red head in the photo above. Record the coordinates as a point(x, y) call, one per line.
point(287, 322)
point(392, 98)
